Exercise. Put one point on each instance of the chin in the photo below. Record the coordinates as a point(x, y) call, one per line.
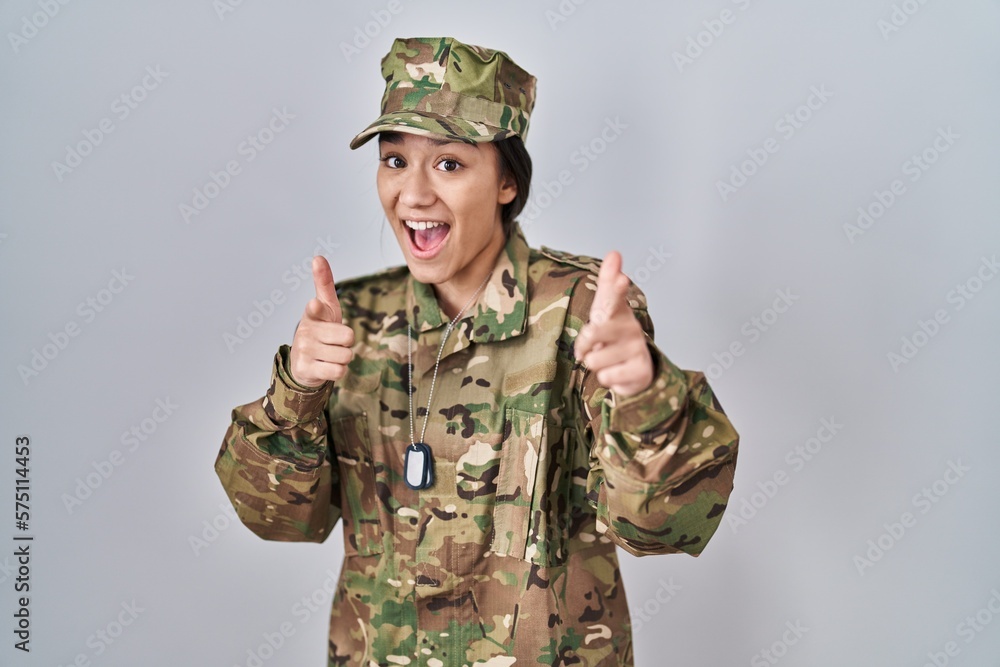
point(425, 274)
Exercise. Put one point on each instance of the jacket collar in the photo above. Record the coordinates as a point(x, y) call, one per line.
point(500, 312)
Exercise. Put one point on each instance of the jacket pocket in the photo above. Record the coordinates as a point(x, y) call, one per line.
point(359, 496)
point(529, 520)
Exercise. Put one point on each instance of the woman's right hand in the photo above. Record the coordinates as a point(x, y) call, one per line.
point(321, 347)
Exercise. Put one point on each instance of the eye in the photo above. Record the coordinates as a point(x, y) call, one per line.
point(447, 164)
point(393, 161)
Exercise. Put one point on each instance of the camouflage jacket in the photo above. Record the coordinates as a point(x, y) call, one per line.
point(509, 558)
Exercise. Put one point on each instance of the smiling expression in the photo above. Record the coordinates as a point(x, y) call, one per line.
point(424, 180)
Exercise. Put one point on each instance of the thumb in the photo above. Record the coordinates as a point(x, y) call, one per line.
point(326, 293)
point(612, 285)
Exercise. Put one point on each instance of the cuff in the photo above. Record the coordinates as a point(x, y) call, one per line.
point(292, 401)
point(655, 404)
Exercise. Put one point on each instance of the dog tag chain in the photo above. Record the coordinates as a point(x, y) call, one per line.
point(418, 465)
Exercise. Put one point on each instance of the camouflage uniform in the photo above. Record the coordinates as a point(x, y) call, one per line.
point(509, 558)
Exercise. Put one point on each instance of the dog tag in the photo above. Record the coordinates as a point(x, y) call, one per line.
point(418, 467)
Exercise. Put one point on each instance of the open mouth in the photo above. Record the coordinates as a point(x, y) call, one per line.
point(426, 236)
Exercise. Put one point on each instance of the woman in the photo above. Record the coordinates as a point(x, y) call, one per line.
point(489, 420)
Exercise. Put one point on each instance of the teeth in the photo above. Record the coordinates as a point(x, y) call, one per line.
point(422, 225)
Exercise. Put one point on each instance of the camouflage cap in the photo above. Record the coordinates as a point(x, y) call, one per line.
point(438, 86)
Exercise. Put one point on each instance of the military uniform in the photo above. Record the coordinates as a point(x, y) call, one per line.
point(509, 558)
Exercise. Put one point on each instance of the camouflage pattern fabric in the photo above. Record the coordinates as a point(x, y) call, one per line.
point(438, 86)
point(540, 472)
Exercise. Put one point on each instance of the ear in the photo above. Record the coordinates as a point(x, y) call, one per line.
point(508, 190)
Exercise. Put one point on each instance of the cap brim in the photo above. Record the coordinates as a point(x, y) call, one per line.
point(431, 125)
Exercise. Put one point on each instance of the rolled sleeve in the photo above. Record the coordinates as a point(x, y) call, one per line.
point(654, 405)
point(292, 402)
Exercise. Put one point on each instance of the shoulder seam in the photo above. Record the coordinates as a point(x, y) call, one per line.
point(592, 265)
point(568, 258)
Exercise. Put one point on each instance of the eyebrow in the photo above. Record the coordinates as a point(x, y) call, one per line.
point(395, 138)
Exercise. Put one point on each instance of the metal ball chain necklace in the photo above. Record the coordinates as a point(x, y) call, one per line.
point(418, 467)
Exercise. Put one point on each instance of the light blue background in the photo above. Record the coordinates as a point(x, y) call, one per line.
point(651, 191)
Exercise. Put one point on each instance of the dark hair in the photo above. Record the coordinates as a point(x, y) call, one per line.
point(514, 162)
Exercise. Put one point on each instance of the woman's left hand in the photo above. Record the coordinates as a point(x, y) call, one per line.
point(612, 343)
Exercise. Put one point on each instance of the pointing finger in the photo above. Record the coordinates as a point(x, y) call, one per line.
point(326, 293)
point(611, 287)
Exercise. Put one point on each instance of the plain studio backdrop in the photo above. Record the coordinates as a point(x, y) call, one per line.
point(806, 192)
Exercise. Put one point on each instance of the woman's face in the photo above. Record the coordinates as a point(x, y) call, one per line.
point(423, 179)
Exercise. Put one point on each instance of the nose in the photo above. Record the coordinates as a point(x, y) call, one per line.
point(416, 189)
